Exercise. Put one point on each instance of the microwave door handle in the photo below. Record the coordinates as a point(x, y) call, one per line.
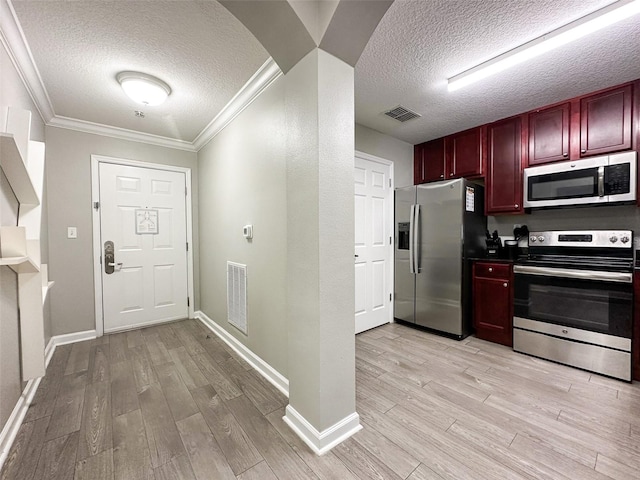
point(416, 239)
point(411, 246)
point(601, 181)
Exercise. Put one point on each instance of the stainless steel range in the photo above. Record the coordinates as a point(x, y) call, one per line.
point(573, 300)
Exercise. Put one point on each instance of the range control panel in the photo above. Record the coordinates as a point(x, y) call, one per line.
point(590, 238)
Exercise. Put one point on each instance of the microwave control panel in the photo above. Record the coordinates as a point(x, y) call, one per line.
point(616, 179)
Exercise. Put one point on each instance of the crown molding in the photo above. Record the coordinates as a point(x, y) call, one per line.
point(14, 41)
point(259, 81)
point(120, 133)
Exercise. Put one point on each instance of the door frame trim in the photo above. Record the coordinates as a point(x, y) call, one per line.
point(97, 247)
point(391, 213)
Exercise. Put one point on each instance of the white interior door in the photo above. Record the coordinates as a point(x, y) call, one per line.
point(373, 246)
point(143, 213)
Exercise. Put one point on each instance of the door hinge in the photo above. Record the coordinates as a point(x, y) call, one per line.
point(185, 191)
point(96, 205)
point(389, 183)
point(100, 259)
point(187, 246)
point(390, 240)
point(390, 297)
point(188, 302)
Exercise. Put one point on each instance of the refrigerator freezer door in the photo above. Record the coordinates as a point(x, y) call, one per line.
point(439, 283)
point(404, 280)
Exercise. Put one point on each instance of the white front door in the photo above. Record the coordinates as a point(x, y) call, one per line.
point(143, 238)
point(373, 246)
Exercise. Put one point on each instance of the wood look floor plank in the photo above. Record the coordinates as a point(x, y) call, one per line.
point(131, 458)
point(206, 458)
point(44, 400)
point(326, 467)
point(97, 467)
point(361, 461)
point(395, 458)
point(95, 429)
point(162, 434)
point(99, 364)
point(58, 458)
point(179, 468)
point(142, 370)
point(233, 441)
point(209, 341)
point(424, 473)
point(23, 457)
point(134, 338)
point(175, 391)
point(67, 414)
point(261, 471)
point(186, 338)
point(158, 352)
point(168, 337)
point(566, 466)
point(78, 358)
point(281, 458)
point(124, 394)
point(118, 348)
point(216, 377)
point(614, 469)
point(264, 397)
point(188, 370)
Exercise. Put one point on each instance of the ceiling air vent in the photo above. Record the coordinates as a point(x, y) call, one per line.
point(401, 114)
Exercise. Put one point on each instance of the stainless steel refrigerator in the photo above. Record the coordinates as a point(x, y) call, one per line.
point(439, 228)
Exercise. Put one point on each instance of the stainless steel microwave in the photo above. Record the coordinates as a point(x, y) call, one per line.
point(597, 180)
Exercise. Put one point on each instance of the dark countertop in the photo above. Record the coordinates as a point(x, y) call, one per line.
point(491, 260)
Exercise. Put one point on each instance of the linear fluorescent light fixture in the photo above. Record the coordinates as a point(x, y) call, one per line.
point(572, 31)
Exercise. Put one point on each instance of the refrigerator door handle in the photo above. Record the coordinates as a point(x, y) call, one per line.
point(411, 233)
point(416, 238)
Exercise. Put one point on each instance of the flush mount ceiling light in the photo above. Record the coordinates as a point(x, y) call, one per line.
point(143, 88)
point(572, 31)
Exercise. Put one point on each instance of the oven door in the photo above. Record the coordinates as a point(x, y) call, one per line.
point(588, 300)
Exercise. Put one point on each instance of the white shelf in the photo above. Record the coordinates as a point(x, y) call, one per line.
point(16, 171)
point(20, 264)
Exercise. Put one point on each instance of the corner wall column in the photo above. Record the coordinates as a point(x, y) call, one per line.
point(320, 270)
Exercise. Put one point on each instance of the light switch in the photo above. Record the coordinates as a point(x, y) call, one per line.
point(72, 232)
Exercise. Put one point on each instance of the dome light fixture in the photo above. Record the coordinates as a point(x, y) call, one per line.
point(143, 88)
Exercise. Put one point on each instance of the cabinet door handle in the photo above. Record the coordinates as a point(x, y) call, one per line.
point(565, 154)
point(442, 176)
point(505, 284)
point(583, 151)
point(517, 206)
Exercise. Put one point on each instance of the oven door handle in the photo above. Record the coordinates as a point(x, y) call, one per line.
point(619, 277)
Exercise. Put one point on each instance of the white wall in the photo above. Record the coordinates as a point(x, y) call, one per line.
point(381, 145)
point(68, 184)
point(242, 180)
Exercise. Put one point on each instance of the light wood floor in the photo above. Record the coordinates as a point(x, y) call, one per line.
point(173, 402)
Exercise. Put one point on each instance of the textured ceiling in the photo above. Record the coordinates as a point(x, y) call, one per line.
point(197, 47)
point(206, 56)
point(420, 43)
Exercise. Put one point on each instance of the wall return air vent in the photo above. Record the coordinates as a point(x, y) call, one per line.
point(237, 295)
point(402, 114)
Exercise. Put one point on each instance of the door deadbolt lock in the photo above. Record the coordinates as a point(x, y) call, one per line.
point(109, 258)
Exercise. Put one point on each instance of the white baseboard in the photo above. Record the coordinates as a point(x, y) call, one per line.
point(12, 426)
point(74, 337)
point(322, 442)
point(263, 368)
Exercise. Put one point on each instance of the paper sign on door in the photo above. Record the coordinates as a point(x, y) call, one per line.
point(146, 221)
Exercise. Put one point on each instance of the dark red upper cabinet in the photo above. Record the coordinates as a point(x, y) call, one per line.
point(505, 152)
point(464, 153)
point(605, 121)
point(433, 158)
point(418, 165)
point(549, 134)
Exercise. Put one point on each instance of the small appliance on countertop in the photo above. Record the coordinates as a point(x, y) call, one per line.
point(494, 244)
